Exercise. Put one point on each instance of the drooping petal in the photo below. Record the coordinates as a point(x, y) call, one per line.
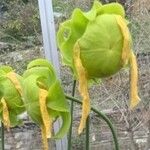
point(126, 41)
point(134, 100)
point(13, 78)
point(83, 87)
point(44, 138)
point(128, 55)
point(47, 121)
point(6, 119)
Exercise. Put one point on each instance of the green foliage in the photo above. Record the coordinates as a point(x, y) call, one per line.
point(21, 19)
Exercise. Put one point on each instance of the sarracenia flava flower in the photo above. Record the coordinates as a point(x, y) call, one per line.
point(11, 103)
point(44, 99)
point(97, 44)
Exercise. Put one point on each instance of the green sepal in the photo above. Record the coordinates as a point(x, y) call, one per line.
point(66, 120)
point(56, 99)
point(102, 47)
point(41, 72)
point(112, 8)
point(69, 33)
point(6, 69)
point(3, 71)
point(31, 98)
point(71, 30)
point(40, 63)
point(15, 121)
point(92, 14)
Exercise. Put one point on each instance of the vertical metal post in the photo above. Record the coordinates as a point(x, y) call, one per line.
point(50, 49)
point(48, 32)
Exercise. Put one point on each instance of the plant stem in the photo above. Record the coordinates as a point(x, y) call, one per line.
point(87, 142)
point(71, 110)
point(2, 136)
point(104, 117)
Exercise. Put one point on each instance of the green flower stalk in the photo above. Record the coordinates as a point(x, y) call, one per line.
point(11, 103)
point(97, 44)
point(44, 99)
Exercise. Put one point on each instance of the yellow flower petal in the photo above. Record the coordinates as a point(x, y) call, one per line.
point(126, 39)
point(83, 87)
point(134, 80)
point(128, 55)
point(6, 119)
point(47, 121)
point(13, 78)
point(44, 138)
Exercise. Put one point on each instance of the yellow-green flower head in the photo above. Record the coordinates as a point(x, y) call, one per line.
point(99, 37)
point(97, 44)
point(44, 98)
point(11, 103)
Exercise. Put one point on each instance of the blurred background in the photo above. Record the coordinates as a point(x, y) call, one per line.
point(21, 41)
